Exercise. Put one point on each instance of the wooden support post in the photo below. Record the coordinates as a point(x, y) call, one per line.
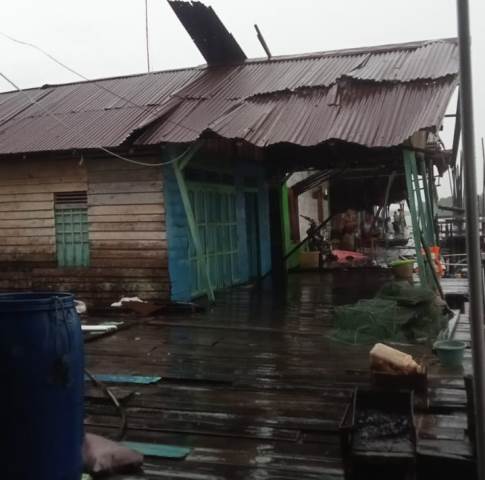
point(278, 264)
point(194, 231)
point(456, 133)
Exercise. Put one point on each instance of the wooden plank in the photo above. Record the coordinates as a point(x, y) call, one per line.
point(25, 260)
point(21, 284)
point(26, 206)
point(114, 176)
point(94, 166)
point(127, 209)
point(12, 198)
point(115, 287)
point(124, 262)
point(125, 187)
point(43, 169)
point(13, 244)
point(126, 227)
point(28, 215)
point(97, 235)
point(125, 199)
point(17, 233)
point(101, 273)
point(150, 218)
point(26, 223)
point(129, 254)
point(22, 250)
point(121, 245)
point(32, 186)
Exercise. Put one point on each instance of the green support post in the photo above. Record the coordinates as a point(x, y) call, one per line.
point(428, 204)
point(178, 167)
point(409, 163)
point(421, 206)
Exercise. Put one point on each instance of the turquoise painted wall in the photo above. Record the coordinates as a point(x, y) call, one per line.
point(178, 232)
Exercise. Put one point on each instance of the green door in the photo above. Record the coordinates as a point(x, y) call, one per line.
point(214, 209)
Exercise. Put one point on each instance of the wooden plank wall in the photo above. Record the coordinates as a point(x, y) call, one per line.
point(127, 234)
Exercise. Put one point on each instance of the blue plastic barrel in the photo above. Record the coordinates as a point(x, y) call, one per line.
point(41, 387)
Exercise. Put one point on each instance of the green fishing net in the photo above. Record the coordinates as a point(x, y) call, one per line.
point(399, 313)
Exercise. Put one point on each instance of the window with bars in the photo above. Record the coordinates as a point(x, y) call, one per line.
point(72, 229)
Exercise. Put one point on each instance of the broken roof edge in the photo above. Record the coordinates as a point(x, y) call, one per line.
point(210, 134)
point(344, 81)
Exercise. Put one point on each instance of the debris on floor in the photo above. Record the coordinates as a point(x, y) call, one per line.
point(80, 307)
point(99, 328)
point(124, 300)
point(388, 359)
point(102, 456)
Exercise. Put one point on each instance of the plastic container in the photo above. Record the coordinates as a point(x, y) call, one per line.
point(309, 260)
point(403, 269)
point(450, 352)
point(41, 404)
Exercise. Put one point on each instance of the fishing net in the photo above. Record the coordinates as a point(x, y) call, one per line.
point(399, 313)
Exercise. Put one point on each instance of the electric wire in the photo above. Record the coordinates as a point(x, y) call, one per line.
point(52, 115)
point(94, 82)
point(147, 36)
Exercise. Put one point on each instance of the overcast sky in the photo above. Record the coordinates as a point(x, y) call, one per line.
point(101, 38)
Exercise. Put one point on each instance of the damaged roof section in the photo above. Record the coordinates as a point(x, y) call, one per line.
point(375, 97)
point(209, 34)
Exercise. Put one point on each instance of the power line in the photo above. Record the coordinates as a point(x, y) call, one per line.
point(52, 115)
point(94, 82)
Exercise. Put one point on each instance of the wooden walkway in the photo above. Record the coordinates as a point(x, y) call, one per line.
point(455, 286)
point(257, 388)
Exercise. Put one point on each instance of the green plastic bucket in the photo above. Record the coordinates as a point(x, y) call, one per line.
point(403, 269)
point(450, 352)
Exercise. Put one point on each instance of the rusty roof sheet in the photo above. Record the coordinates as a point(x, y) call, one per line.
point(209, 34)
point(377, 97)
point(369, 114)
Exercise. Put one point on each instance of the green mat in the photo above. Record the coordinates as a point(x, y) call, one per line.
point(158, 450)
point(136, 379)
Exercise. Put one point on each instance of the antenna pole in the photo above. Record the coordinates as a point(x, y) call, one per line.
point(263, 42)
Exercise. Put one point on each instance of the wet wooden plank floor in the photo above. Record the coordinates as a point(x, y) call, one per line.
point(255, 386)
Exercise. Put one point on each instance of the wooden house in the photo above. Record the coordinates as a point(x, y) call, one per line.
point(161, 185)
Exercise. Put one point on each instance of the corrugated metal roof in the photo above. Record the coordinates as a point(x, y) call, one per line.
point(376, 97)
point(371, 115)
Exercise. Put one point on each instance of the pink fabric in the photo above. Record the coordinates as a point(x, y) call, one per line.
point(103, 456)
point(343, 256)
